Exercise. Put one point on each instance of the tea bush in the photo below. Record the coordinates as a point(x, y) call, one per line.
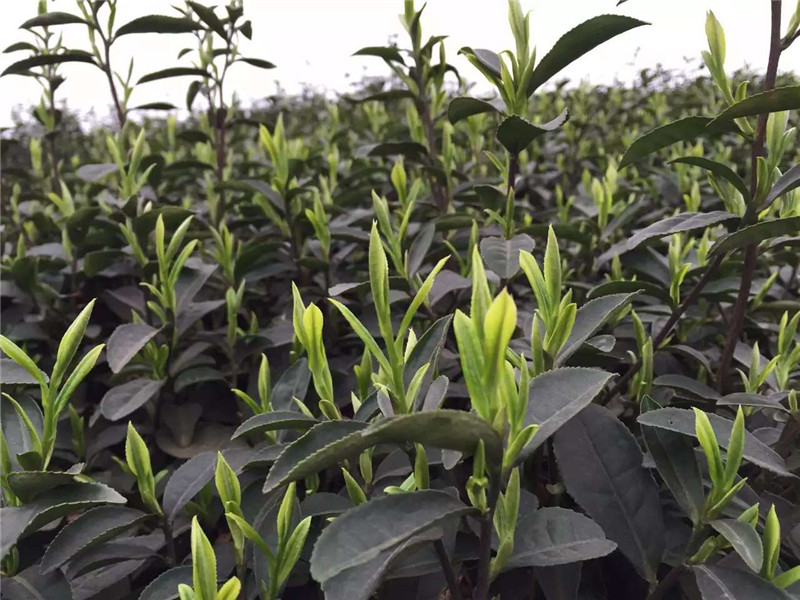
point(404, 343)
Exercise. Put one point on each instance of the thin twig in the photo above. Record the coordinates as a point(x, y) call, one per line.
point(447, 569)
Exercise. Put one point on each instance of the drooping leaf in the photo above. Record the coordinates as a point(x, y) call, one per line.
point(27, 485)
point(555, 397)
point(93, 527)
point(577, 42)
point(681, 130)
point(754, 234)
point(13, 374)
point(785, 184)
point(680, 223)
point(502, 255)
point(625, 287)
point(18, 521)
point(277, 420)
point(387, 53)
point(516, 134)
point(96, 172)
point(591, 318)
point(293, 383)
point(122, 400)
point(32, 584)
point(49, 19)
point(427, 348)
point(360, 534)
point(320, 447)
point(361, 581)
point(165, 586)
point(683, 421)
point(125, 343)
point(444, 428)
point(601, 465)
point(173, 72)
point(676, 463)
point(187, 481)
point(775, 100)
point(687, 384)
point(744, 539)
point(41, 60)
point(257, 62)
point(158, 24)
point(717, 168)
point(557, 536)
point(462, 108)
point(412, 149)
point(722, 583)
point(209, 17)
point(330, 442)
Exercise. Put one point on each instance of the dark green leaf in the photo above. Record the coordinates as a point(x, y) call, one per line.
point(556, 396)
point(90, 529)
point(462, 108)
point(577, 42)
point(754, 234)
point(92, 173)
point(392, 148)
point(387, 53)
point(31, 584)
point(681, 130)
point(14, 430)
point(165, 586)
point(208, 16)
point(676, 463)
point(502, 255)
point(173, 72)
point(273, 421)
point(516, 134)
point(785, 184)
point(687, 384)
point(360, 534)
point(361, 581)
point(722, 583)
point(776, 100)
point(683, 421)
point(601, 465)
point(257, 62)
point(187, 481)
point(52, 18)
point(591, 318)
point(27, 485)
point(679, 223)
point(718, 169)
point(744, 540)
point(426, 350)
point(18, 521)
point(125, 343)
point(158, 24)
point(622, 287)
point(13, 374)
point(293, 383)
point(386, 96)
point(122, 400)
point(557, 536)
point(41, 60)
point(322, 446)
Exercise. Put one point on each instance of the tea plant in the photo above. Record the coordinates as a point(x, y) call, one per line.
point(542, 343)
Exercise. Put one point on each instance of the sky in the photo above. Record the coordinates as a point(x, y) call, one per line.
point(312, 42)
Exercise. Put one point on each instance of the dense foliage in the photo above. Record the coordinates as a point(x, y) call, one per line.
point(406, 343)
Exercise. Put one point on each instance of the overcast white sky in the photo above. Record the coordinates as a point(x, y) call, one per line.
point(311, 41)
